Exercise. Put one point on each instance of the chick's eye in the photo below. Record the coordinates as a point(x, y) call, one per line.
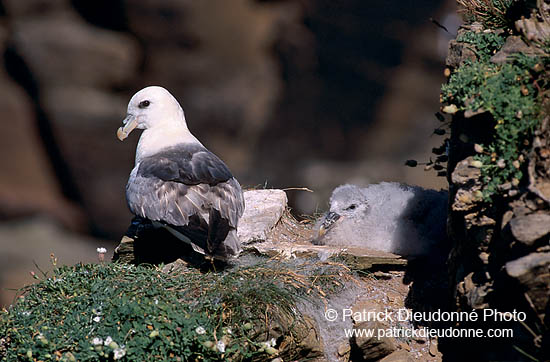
point(351, 207)
point(144, 104)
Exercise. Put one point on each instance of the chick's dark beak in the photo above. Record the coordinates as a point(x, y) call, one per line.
point(328, 222)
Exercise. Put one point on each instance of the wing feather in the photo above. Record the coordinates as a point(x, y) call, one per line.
point(153, 193)
point(177, 187)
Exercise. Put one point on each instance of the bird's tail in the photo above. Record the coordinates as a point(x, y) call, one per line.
point(232, 243)
point(222, 242)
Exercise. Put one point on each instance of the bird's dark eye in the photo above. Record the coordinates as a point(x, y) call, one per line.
point(351, 207)
point(144, 104)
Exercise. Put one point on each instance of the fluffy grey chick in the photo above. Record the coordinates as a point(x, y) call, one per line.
point(392, 217)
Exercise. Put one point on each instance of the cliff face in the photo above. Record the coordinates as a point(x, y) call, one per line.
point(499, 173)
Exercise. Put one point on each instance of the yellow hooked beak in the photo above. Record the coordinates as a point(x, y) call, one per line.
point(130, 123)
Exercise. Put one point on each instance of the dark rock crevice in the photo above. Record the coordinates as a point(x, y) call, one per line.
point(108, 14)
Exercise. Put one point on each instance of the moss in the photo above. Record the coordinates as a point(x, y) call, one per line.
point(100, 312)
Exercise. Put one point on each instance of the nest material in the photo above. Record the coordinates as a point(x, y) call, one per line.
point(493, 13)
point(288, 229)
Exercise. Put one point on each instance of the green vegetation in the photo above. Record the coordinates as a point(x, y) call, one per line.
point(139, 313)
point(509, 92)
point(485, 45)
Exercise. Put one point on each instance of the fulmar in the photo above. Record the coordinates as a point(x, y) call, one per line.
point(389, 216)
point(176, 182)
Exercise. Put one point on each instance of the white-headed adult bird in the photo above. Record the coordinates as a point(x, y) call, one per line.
point(176, 182)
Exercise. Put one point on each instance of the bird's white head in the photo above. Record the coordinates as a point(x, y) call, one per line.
point(151, 107)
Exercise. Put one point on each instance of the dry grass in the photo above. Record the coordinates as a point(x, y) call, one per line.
point(288, 229)
point(492, 13)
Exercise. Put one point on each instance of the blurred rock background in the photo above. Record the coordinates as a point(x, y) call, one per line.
point(295, 93)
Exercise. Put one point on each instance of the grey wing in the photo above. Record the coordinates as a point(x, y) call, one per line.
point(174, 202)
point(228, 200)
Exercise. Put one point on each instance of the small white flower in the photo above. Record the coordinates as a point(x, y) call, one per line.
point(118, 353)
point(26, 313)
point(97, 341)
point(220, 346)
point(101, 250)
point(156, 301)
point(200, 330)
point(108, 341)
point(96, 319)
point(228, 330)
point(271, 343)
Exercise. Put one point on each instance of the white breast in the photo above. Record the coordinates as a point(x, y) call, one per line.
point(155, 139)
